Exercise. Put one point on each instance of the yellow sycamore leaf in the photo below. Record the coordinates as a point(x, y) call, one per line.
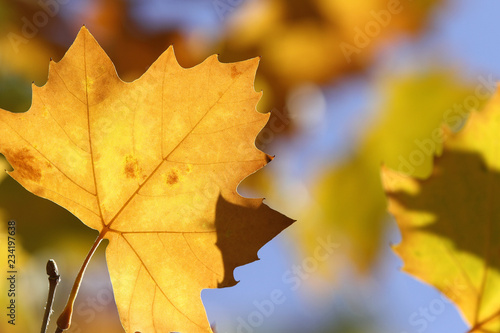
point(450, 222)
point(153, 165)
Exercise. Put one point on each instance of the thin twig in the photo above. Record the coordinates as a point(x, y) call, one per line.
point(54, 279)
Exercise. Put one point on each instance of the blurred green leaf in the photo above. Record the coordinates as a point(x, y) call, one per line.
point(351, 194)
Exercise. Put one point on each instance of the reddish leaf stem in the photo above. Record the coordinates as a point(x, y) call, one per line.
point(64, 320)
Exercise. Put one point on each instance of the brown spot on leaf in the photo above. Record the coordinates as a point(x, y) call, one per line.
point(172, 177)
point(24, 163)
point(186, 168)
point(234, 72)
point(131, 167)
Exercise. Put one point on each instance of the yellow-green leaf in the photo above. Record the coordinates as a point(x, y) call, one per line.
point(351, 194)
point(450, 222)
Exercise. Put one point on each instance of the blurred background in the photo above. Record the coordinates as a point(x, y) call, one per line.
point(352, 85)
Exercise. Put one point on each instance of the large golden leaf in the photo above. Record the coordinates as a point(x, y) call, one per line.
point(153, 165)
point(450, 221)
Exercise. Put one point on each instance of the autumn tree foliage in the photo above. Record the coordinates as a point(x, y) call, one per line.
point(148, 149)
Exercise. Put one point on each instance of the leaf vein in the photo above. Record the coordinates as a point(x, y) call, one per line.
point(156, 283)
point(47, 159)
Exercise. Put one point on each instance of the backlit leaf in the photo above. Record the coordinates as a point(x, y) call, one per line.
point(350, 193)
point(153, 165)
point(450, 221)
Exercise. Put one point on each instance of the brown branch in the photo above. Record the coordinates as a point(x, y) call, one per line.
point(54, 279)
